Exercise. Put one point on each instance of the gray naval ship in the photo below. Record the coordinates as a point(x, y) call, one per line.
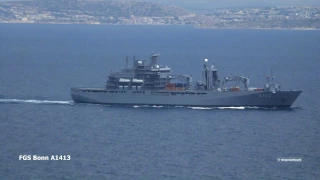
point(147, 83)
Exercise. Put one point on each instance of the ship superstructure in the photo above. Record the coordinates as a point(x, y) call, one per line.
point(148, 83)
point(145, 76)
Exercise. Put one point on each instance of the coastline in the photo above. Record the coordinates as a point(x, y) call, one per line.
point(256, 28)
point(195, 26)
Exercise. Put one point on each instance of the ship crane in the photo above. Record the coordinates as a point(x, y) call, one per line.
point(242, 79)
point(185, 78)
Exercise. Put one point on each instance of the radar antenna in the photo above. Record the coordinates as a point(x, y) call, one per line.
point(205, 64)
point(213, 64)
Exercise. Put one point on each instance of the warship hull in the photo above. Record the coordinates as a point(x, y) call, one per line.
point(280, 99)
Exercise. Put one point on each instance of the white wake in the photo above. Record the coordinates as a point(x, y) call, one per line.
point(32, 101)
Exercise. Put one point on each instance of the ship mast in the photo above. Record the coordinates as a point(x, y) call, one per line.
point(206, 74)
point(210, 76)
point(154, 59)
point(127, 62)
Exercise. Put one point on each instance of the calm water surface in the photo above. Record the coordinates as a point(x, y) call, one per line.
point(39, 64)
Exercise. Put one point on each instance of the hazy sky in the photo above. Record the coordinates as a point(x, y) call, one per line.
point(231, 3)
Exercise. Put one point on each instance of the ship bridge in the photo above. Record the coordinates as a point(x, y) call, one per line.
point(142, 75)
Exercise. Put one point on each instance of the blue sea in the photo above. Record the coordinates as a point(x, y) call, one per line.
point(39, 63)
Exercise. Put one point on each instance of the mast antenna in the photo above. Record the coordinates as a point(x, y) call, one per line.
point(127, 62)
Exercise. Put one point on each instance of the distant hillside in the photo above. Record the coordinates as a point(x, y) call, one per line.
point(147, 13)
point(113, 8)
